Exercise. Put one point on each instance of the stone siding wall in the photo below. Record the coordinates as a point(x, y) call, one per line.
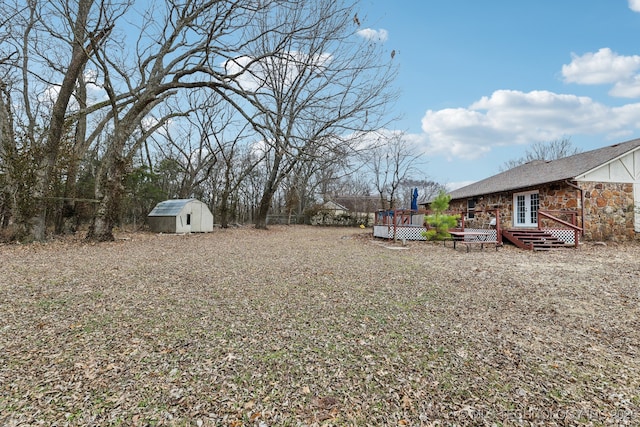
point(608, 209)
point(502, 201)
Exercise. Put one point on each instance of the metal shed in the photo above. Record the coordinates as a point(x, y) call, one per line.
point(181, 216)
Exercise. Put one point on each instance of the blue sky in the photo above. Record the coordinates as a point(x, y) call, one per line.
point(479, 80)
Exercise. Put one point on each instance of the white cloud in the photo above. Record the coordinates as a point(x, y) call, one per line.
point(601, 67)
point(634, 5)
point(95, 92)
point(245, 73)
point(150, 121)
point(250, 74)
point(510, 117)
point(629, 88)
point(380, 35)
point(458, 184)
point(50, 95)
point(606, 67)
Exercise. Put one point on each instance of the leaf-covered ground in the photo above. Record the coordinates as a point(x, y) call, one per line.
point(316, 326)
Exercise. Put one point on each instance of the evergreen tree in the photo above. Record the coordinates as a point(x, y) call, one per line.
point(439, 222)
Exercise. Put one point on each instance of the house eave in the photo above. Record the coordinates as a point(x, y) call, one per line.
point(513, 189)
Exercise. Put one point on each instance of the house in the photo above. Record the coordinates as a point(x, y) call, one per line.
point(597, 191)
point(364, 208)
point(333, 207)
point(181, 216)
point(331, 213)
point(347, 210)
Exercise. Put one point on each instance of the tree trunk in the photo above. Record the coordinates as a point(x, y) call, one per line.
point(79, 57)
point(224, 209)
point(68, 217)
point(263, 210)
point(7, 147)
point(5, 210)
point(270, 188)
point(109, 190)
point(103, 222)
point(383, 201)
point(69, 220)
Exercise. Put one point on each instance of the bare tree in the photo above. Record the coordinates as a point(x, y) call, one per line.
point(551, 150)
point(427, 190)
point(209, 152)
point(85, 37)
point(239, 161)
point(190, 143)
point(317, 84)
point(333, 182)
point(54, 41)
point(293, 70)
point(391, 160)
point(8, 55)
point(177, 51)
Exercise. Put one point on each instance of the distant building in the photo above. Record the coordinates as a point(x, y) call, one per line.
point(181, 216)
point(347, 210)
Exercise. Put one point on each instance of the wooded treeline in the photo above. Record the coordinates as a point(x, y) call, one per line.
point(109, 106)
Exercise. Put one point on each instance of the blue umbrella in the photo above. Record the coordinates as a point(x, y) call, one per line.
point(414, 200)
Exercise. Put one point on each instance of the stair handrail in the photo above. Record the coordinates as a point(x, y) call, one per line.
point(576, 230)
point(498, 226)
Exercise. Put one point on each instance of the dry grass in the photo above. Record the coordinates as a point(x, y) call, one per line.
point(316, 326)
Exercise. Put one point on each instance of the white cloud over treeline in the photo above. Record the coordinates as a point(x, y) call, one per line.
point(380, 35)
point(511, 117)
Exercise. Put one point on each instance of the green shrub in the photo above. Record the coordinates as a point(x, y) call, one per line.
point(439, 223)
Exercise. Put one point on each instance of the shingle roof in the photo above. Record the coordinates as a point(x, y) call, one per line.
point(541, 172)
point(359, 203)
point(334, 206)
point(170, 207)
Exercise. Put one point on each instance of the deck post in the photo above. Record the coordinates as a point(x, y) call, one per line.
point(498, 227)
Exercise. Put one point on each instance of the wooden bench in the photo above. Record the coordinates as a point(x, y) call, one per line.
point(471, 238)
point(468, 243)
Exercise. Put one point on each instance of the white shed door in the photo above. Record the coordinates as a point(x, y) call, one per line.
point(636, 204)
point(196, 217)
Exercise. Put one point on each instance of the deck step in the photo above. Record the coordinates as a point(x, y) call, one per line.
point(538, 240)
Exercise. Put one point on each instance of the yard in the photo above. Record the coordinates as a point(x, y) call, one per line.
point(316, 326)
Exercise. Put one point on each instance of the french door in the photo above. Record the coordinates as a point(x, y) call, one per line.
point(525, 209)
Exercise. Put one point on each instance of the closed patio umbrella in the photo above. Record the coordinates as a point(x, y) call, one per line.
point(414, 200)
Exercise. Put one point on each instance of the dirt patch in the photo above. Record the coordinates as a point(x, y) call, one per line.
point(316, 326)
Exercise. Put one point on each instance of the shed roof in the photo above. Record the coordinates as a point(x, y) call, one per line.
point(170, 207)
point(540, 172)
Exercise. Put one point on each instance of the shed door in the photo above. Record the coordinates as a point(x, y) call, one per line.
point(636, 204)
point(525, 209)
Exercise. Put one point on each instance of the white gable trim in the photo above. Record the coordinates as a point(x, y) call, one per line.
point(625, 168)
point(636, 204)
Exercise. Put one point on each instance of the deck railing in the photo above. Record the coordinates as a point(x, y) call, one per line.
point(492, 214)
point(571, 225)
point(400, 223)
point(395, 224)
